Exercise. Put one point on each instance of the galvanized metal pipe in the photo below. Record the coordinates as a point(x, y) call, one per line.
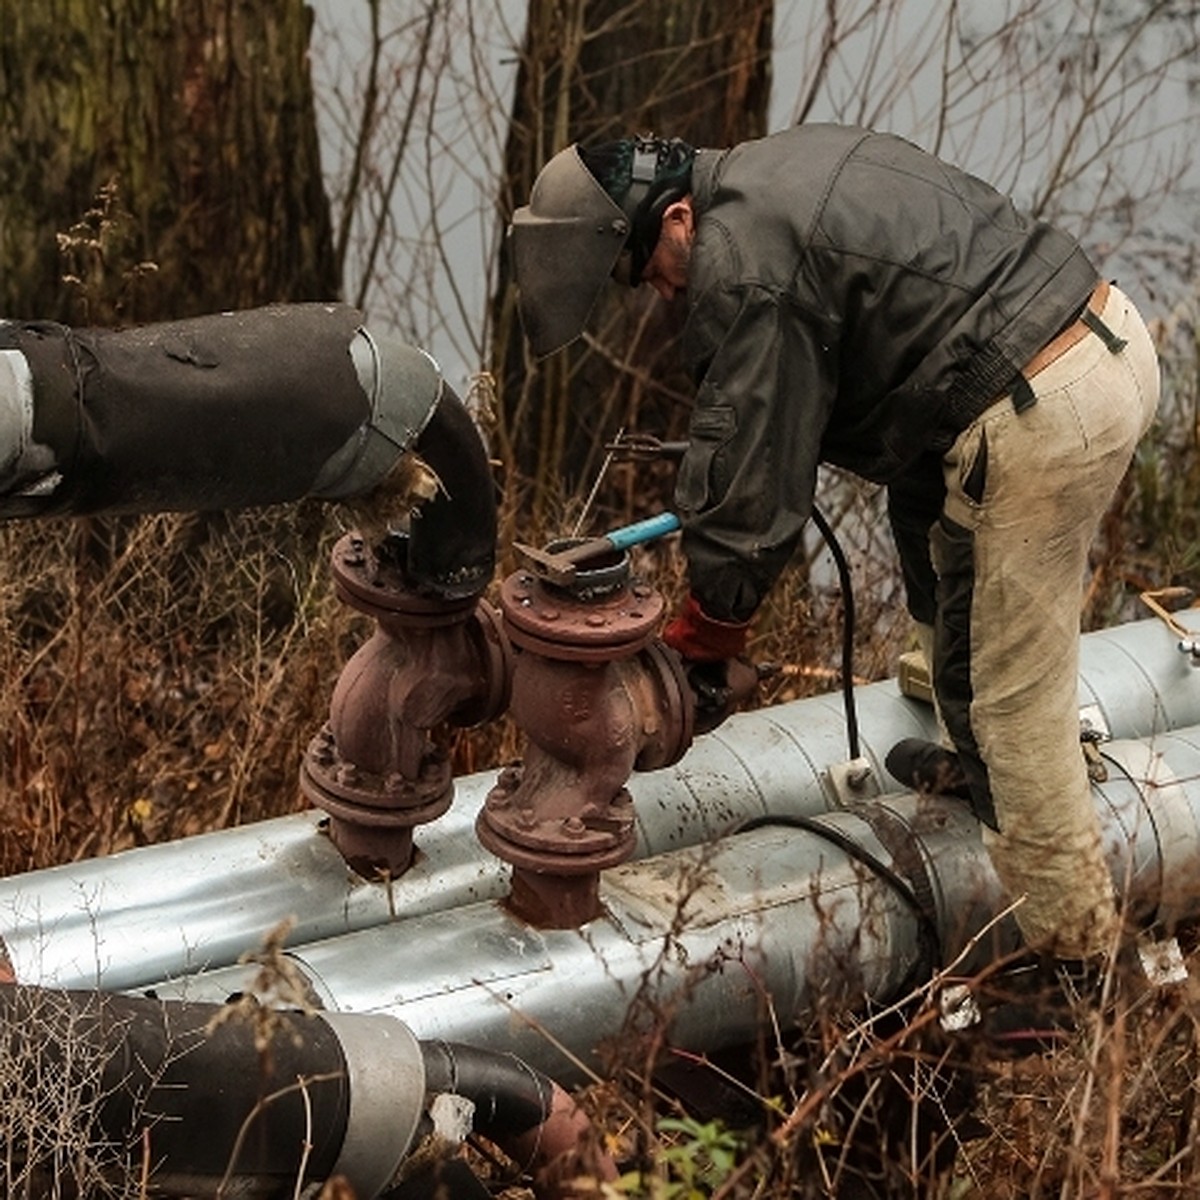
point(701, 936)
point(179, 907)
point(217, 894)
point(699, 939)
point(203, 901)
point(1137, 678)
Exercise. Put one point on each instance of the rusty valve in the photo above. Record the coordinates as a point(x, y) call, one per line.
point(597, 698)
point(381, 765)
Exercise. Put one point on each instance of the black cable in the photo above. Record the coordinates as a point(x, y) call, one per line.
point(929, 936)
point(843, 570)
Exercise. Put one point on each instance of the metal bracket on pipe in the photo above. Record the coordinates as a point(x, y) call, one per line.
point(1162, 960)
point(385, 1072)
point(851, 782)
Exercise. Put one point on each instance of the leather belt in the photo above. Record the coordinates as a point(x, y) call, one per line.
point(1075, 332)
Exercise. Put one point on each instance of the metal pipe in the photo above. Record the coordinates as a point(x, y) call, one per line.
point(1138, 680)
point(697, 939)
point(199, 903)
point(438, 657)
point(855, 905)
point(380, 766)
point(596, 698)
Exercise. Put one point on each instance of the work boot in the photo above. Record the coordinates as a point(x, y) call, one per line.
point(1037, 1004)
point(927, 768)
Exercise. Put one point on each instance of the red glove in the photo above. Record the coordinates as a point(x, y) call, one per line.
point(701, 638)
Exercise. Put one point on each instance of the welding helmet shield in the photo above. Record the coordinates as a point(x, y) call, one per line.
point(564, 246)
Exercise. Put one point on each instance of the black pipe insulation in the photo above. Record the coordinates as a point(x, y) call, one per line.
point(224, 411)
point(510, 1097)
point(242, 409)
point(451, 550)
point(529, 1116)
point(158, 1083)
point(226, 1099)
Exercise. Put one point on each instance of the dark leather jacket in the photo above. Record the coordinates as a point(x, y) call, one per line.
point(852, 300)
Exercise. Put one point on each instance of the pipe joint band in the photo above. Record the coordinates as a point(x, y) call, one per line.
point(403, 385)
point(386, 1078)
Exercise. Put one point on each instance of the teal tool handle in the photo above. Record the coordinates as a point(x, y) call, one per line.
point(643, 531)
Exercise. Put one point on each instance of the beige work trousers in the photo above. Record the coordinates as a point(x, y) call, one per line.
point(1019, 545)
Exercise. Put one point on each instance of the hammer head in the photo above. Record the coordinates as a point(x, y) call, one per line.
point(547, 564)
point(561, 566)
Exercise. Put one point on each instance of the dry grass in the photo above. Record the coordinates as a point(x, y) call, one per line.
point(51, 1144)
point(159, 676)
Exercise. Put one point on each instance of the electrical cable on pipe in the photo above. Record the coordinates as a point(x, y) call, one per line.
point(904, 888)
point(843, 570)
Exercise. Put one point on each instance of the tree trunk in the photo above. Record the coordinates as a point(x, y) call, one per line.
point(593, 70)
point(160, 675)
point(159, 159)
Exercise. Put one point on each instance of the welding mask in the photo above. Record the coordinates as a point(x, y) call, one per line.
point(573, 235)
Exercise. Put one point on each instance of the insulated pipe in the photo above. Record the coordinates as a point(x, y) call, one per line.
point(178, 907)
point(533, 1120)
point(857, 905)
point(451, 547)
point(192, 1097)
point(223, 411)
point(240, 409)
point(1135, 676)
point(254, 1102)
point(704, 941)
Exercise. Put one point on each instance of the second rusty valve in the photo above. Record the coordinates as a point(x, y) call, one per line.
point(598, 697)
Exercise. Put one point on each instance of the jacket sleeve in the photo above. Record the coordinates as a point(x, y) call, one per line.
point(745, 485)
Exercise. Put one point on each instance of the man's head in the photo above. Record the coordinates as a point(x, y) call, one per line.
point(599, 212)
point(666, 271)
